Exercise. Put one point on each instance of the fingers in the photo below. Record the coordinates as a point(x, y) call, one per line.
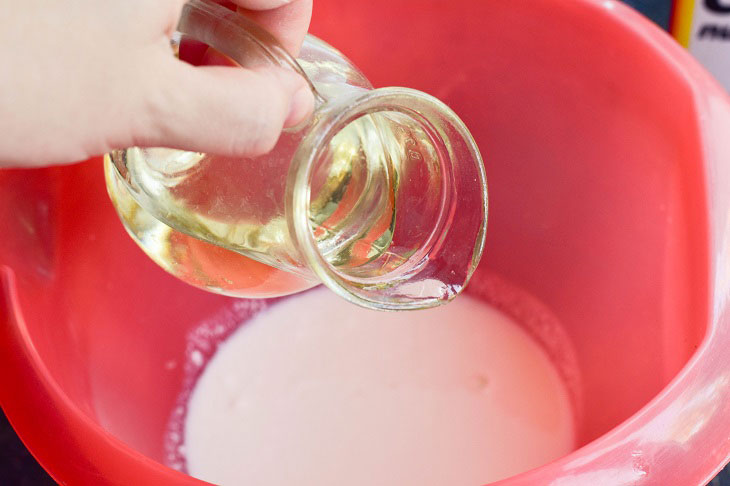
point(235, 112)
point(261, 4)
point(287, 20)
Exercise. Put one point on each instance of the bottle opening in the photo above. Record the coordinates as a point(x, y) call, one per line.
point(375, 194)
point(394, 201)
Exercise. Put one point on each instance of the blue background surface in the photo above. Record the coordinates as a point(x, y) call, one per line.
point(659, 11)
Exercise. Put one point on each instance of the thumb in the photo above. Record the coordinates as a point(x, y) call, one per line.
point(221, 110)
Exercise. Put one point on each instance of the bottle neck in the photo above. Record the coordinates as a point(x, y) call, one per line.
point(388, 200)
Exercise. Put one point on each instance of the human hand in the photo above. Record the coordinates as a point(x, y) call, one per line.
point(79, 78)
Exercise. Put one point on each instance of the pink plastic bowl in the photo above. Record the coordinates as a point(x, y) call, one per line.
point(608, 155)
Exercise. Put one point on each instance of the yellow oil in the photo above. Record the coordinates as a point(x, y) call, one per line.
point(239, 204)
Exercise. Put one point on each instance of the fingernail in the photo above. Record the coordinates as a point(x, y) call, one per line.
point(301, 106)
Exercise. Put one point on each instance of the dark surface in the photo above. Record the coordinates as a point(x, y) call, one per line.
point(17, 466)
point(660, 11)
point(722, 479)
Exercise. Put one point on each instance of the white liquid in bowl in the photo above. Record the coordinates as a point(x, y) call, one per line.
point(315, 391)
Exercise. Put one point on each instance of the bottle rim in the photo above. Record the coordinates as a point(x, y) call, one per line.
point(425, 110)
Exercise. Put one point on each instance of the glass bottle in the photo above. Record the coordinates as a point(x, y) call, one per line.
point(381, 194)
